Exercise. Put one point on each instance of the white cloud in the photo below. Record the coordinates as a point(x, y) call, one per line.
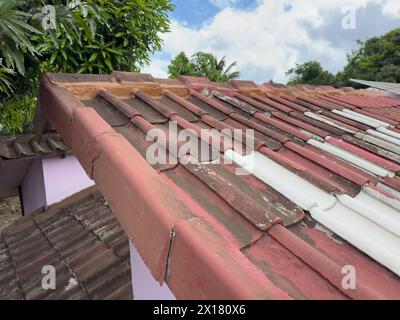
point(392, 9)
point(158, 68)
point(268, 40)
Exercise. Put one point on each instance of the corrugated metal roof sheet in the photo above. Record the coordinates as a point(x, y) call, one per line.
point(81, 239)
point(385, 86)
point(249, 232)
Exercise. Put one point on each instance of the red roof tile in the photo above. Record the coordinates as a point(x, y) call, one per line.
point(212, 234)
point(25, 146)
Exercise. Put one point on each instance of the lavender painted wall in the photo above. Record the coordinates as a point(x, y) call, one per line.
point(33, 188)
point(51, 180)
point(63, 177)
point(143, 284)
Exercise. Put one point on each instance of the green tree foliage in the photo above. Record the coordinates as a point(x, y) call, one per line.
point(99, 36)
point(202, 64)
point(377, 59)
point(310, 73)
point(14, 36)
point(181, 65)
point(92, 36)
point(15, 50)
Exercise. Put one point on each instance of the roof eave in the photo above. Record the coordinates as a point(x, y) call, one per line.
point(153, 209)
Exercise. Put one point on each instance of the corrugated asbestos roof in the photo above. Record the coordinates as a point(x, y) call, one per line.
point(81, 239)
point(325, 159)
point(385, 86)
point(26, 146)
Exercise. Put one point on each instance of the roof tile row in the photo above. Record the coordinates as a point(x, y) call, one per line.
point(26, 146)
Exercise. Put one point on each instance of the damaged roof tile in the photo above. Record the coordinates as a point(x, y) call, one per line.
point(273, 232)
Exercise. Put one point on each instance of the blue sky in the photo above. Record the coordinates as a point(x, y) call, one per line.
point(197, 12)
point(267, 37)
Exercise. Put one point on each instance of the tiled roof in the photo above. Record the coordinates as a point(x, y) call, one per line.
point(80, 238)
point(26, 146)
point(323, 193)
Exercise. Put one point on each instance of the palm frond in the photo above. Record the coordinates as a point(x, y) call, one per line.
point(227, 74)
point(232, 65)
point(14, 35)
point(220, 64)
point(6, 87)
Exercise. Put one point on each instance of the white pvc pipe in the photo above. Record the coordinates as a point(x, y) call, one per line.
point(378, 142)
point(352, 158)
point(384, 137)
point(362, 116)
point(329, 122)
point(373, 210)
point(389, 189)
point(367, 236)
point(356, 118)
point(298, 190)
point(392, 200)
point(348, 223)
point(389, 132)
